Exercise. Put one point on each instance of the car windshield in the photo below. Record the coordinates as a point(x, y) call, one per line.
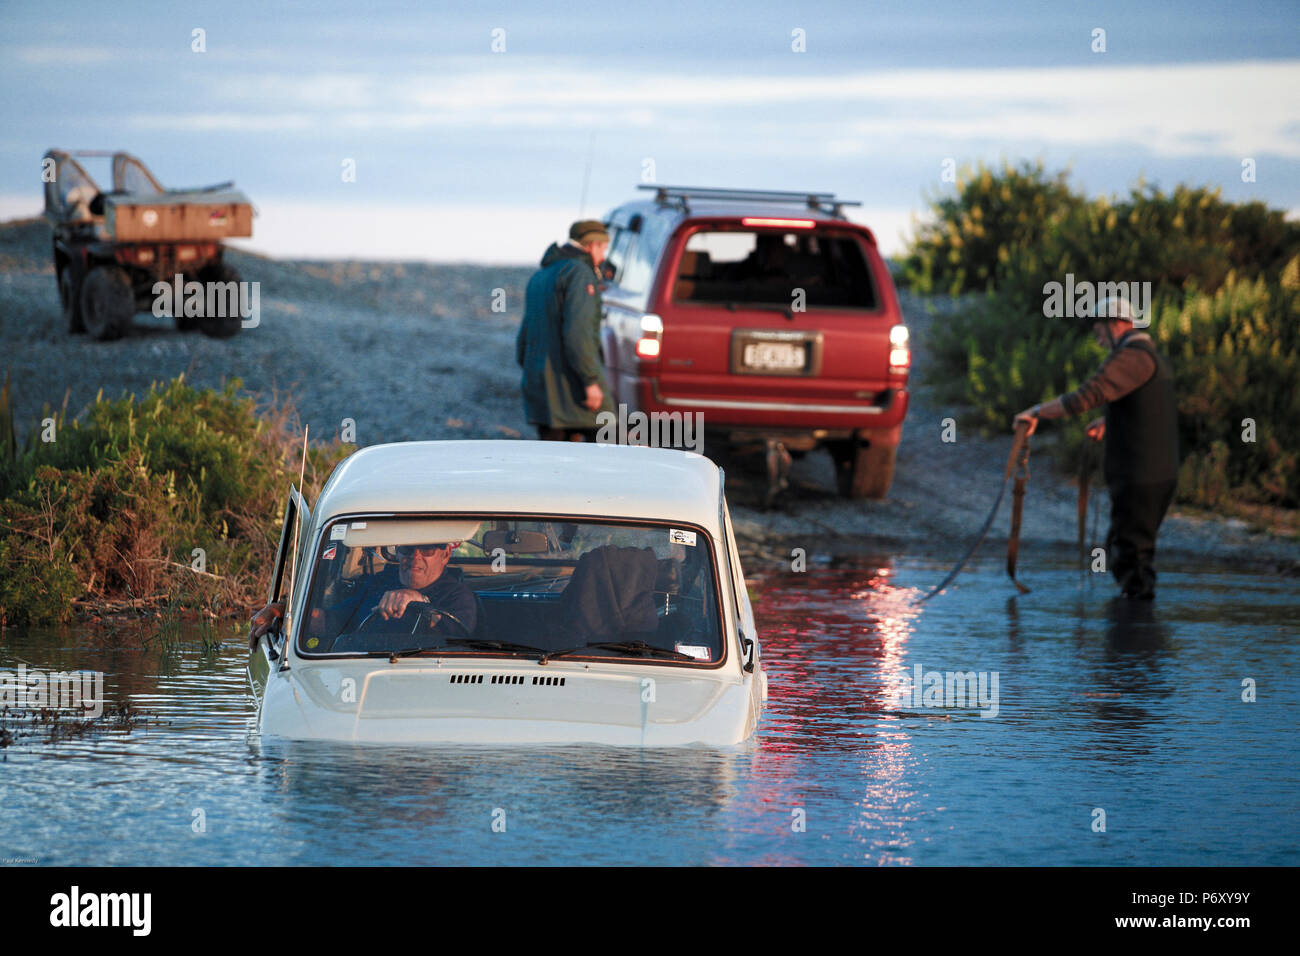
point(766, 267)
point(534, 587)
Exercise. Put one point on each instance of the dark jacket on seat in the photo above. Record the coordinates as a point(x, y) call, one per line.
point(610, 596)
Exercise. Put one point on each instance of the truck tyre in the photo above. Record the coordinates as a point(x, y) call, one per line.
point(863, 471)
point(70, 299)
point(107, 302)
point(219, 326)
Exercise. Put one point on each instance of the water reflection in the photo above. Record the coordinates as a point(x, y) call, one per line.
point(1127, 686)
point(520, 805)
point(834, 646)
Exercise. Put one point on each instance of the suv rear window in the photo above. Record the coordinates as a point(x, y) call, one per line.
point(765, 267)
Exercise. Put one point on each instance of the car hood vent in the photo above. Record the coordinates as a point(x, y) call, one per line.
point(508, 679)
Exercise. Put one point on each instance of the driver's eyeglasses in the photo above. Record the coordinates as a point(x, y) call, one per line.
point(409, 551)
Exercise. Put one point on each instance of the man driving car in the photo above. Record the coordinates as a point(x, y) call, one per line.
point(420, 574)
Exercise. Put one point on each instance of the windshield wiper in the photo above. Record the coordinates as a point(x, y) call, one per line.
point(476, 644)
point(629, 647)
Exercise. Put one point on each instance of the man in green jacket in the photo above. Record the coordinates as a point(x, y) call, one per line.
point(1136, 384)
point(559, 340)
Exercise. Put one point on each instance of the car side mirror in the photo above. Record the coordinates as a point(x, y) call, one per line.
point(748, 648)
point(274, 635)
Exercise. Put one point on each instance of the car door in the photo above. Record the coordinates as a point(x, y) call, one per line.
point(636, 251)
point(292, 548)
point(614, 299)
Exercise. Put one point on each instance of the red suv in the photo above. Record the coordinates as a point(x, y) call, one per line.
point(768, 313)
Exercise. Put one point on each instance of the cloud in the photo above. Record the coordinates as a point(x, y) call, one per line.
point(492, 233)
point(224, 122)
point(464, 233)
point(20, 206)
point(1234, 109)
point(60, 55)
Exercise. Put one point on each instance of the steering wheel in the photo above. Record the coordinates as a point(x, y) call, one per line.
point(417, 610)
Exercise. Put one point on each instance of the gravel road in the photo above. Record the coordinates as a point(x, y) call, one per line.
point(415, 351)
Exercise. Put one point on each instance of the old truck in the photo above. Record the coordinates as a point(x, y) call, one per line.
point(112, 248)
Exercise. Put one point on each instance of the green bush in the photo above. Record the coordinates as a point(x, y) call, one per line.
point(1224, 280)
point(991, 220)
point(1006, 358)
point(1236, 358)
point(1015, 229)
point(108, 514)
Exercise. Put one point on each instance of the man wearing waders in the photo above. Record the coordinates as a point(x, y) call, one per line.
point(1136, 385)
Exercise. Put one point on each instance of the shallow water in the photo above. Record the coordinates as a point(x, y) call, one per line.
point(1138, 715)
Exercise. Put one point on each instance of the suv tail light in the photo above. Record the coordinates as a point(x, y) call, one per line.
point(650, 343)
point(900, 356)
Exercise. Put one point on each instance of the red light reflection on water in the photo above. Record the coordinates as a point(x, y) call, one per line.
point(834, 642)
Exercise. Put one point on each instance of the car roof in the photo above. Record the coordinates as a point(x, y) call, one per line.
point(525, 477)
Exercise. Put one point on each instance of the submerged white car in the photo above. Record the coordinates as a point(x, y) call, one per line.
point(512, 592)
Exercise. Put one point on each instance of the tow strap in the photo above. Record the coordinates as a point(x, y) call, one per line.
point(1018, 464)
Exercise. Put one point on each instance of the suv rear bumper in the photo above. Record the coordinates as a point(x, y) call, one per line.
point(880, 422)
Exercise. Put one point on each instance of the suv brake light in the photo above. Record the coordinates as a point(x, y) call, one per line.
point(900, 356)
point(650, 343)
point(787, 223)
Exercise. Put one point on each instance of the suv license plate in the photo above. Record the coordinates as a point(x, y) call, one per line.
point(786, 356)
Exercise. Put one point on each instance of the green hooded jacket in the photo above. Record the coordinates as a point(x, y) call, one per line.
point(559, 341)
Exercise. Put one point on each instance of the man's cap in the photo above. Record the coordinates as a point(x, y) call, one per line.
point(1113, 307)
point(588, 230)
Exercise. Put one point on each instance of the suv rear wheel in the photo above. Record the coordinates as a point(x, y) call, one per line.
point(70, 299)
point(862, 470)
point(107, 302)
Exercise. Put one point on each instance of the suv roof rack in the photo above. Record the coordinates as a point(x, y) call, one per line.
point(679, 195)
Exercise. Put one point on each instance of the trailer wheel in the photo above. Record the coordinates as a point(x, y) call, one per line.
point(862, 470)
point(70, 299)
point(219, 326)
point(107, 302)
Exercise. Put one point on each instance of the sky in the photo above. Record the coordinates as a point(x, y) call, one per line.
point(479, 131)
